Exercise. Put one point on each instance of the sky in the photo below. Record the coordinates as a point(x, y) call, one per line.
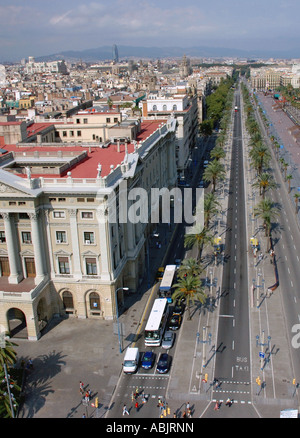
point(41, 27)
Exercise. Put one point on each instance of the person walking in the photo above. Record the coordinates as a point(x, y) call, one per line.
point(228, 402)
point(136, 406)
point(81, 387)
point(125, 411)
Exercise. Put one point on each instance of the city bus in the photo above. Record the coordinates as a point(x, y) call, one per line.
point(156, 323)
point(165, 288)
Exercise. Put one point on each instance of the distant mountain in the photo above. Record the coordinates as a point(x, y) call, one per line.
point(105, 53)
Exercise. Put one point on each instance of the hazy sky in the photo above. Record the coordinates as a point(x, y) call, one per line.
point(41, 27)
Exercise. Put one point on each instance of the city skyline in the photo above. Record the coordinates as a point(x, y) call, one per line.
point(35, 29)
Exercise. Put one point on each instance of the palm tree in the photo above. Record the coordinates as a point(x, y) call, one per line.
point(210, 207)
point(265, 182)
point(217, 153)
point(267, 211)
point(214, 172)
point(260, 156)
point(189, 267)
point(7, 358)
point(201, 239)
point(288, 178)
point(296, 197)
point(190, 289)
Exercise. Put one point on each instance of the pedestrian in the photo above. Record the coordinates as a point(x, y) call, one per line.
point(125, 411)
point(87, 397)
point(90, 393)
point(217, 406)
point(184, 414)
point(81, 387)
point(137, 406)
point(228, 402)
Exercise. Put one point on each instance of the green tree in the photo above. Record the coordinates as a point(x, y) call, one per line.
point(190, 289)
point(214, 171)
point(265, 182)
point(296, 197)
point(260, 156)
point(200, 239)
point(189, 267)
point(211, 207)
point(267, 211)
point(7, 359)
point(217, 153)
point(289, 178)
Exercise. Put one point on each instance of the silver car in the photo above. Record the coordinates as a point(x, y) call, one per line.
point(168, 340)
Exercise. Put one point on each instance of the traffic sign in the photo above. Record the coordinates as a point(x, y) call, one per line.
point(261, 354)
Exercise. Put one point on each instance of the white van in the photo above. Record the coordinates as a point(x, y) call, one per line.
point(131, 360)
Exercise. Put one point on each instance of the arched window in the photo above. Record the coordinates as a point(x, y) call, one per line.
point(164, 107)
point(67, 298)
point(154, 108)
point(174, 107)
point(94, 301)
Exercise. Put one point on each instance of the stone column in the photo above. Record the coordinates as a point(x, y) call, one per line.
point(77, 273)
point(39, 256)
point(105, 243)
point(15, 276)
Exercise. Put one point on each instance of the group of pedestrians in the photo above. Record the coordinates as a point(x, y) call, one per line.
point(134, 398)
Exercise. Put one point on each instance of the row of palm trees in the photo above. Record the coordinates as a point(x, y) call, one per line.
point(8, 402)
point(189, 284)
point(260, 157)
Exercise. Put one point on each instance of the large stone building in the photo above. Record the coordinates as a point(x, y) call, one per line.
point(185, 109)
point(64, 247)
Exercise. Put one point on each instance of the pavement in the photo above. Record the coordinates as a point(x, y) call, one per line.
point(73, 350)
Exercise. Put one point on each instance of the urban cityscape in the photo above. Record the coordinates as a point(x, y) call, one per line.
point(149, 234)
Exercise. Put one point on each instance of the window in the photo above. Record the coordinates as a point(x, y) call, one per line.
point(61, 237)
point(61, 199)
point(77, 121)
point(115, 119)
point(87, 215)
point(85, 121)
point(91, 266)
point(26, 237)
point(107, 119)
point(63, 265)
point(80, 199)
point(174, 107)
point(154, 108)
point(12, 203)
point(89, 238)
point(71, 133)
point(59, 214)
point(23, 216)
point(2, 237)
point(68, 300)
point(21, 203)
point(164, 107)
point(64, 133)
point(78, 133)
point(94, 301)
point(90, 200)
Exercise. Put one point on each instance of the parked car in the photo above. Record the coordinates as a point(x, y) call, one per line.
point(148, 360)
point(168, 340)
point(175, 322)
point(163, 364)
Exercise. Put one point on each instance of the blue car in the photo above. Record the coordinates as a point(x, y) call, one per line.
point(163, 364)
point(148, 360)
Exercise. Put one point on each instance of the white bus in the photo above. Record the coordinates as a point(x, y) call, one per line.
point(156, 323)
point(165, 288)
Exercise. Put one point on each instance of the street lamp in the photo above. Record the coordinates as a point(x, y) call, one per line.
point(117, 314)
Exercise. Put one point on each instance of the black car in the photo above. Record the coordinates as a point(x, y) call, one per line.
point(163, 364)
point(175, 322)
point(178, 308)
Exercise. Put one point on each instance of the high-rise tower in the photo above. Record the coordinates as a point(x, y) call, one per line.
point(115, 53)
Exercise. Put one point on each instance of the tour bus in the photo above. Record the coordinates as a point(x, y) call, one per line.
point(165, 288)
point(156, 323)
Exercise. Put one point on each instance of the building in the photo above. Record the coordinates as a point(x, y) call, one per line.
point(33, 67)
point(185, 109)
point(65, 247)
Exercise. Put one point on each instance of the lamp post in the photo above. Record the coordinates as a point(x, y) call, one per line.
point(117, 314)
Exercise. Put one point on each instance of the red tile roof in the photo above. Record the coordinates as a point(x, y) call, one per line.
point(95, 155)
